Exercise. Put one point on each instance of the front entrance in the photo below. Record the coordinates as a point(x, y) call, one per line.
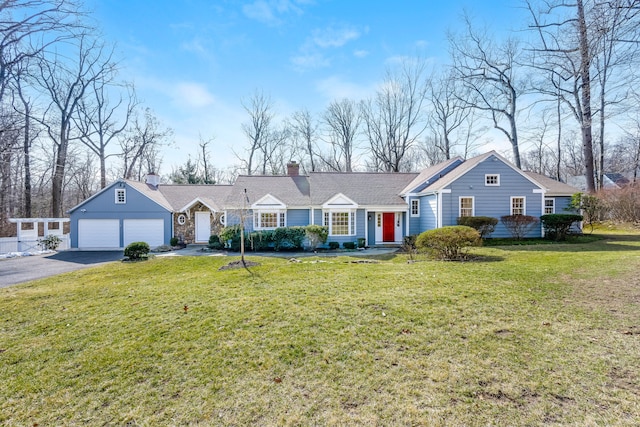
point(388, 227)
point(203, 226)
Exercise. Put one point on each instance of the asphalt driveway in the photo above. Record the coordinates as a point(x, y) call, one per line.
point(23, 269)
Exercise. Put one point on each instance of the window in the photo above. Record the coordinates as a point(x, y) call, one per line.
point(466, 206)
point(492, 180)
point(518, 206)
point(269, 220)
point(182, 219)
point(121, 196)
point(340, 223)
point(549, 206)
point(415, 207)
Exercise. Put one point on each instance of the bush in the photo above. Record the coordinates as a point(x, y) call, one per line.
point(173, 241)
point(288, 238)
point(449, 243)
point(557, 226)
point(334, 245)
point(484, 224)
point(316, 235)
point(361, 242)
point(261, 240)
point(592, 207)
point(137, 250)
point(230, 237)
point(214, 242)
point(519, 225)
point(409, 245)
point(349, 245)
point(50, 243)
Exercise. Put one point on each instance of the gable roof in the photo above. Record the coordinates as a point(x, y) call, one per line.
point(291, 190)
point(364, 188)
point(147, 190)
point(468, 165)
point(553, 187)
point(427, 174)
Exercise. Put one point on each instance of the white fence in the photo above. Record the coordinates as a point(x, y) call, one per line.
point(12, 244)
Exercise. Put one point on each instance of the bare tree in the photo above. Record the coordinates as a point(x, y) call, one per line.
point(305, 134)
point(66, 83)
point(341, 121)
point(100, 121)
point(393, 119)
point(139, 144)
point(260, 110)
point(208, 173)
point(489, 72)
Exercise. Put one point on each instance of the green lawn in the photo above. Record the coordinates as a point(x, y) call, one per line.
point(526, 335)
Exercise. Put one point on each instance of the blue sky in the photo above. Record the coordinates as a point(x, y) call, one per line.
point(194, 61)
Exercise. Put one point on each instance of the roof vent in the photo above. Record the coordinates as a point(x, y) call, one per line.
point(153, 179)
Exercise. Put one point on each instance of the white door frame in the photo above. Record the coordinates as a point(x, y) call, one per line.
point(199, 218)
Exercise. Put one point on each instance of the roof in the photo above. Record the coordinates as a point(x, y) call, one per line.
point(151, 192)
point(364, 188)
point(182, 196)
point(290, 190)
point(429, 173)
point(552, 186)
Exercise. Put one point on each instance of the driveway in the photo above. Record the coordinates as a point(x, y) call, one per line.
point(24, 269)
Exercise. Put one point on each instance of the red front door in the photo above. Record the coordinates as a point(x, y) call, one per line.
point(388, 227)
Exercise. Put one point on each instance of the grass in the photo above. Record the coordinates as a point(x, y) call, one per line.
point(528, 335)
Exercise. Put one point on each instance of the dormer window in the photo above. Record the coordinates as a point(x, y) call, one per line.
point(121, 196)
point(492, 180)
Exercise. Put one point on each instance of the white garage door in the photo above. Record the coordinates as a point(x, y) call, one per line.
point(144, 230)
point(98, 233)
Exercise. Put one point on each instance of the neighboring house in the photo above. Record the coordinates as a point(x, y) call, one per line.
point(610, 181)
point(381, 208)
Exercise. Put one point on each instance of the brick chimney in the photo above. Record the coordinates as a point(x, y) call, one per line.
point(293, 168)
point(153, 179)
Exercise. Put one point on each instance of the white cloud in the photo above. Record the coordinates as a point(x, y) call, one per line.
point(334, 37)
point(335, 87)
point(361, 53)
point(270, 11)
point(192, 95)
point(310, 61)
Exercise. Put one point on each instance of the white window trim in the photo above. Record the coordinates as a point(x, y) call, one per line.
point(257, 218)
point(417, 203)
point(351, 221)
point(497, 184)
point(182, 219)
point(524, 204)
point(124, 196)
point(473, 205)
point(553, 207)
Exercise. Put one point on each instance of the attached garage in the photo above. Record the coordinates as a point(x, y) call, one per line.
point(98, 234)
point(144, 230)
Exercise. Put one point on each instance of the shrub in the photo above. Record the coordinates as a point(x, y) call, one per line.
point(334, 245)
point(449, 243)
point(361, 242)
point(214, 242)
point(137, 250)
point(349, 245)
point(50, 243)
point(519, 225)
point(230, 237)
point(409, 245)
point(484, 224)
point(261, 240)
point(557, 226)
point(173, 241)
point(316, 235)
point(288, 238)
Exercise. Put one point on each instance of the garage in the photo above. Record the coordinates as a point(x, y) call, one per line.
point(98, 234)
point(144, 230)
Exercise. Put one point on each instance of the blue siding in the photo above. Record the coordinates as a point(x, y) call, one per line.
point(493, 201)
point(297, 217)
point(103, 206)
point(428, 213)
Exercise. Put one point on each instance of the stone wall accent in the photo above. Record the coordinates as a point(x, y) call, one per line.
point(188, 230)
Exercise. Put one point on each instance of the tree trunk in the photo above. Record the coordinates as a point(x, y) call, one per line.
point(585, 89)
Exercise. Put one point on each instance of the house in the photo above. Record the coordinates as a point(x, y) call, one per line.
point(381, 208)
point(610, 181)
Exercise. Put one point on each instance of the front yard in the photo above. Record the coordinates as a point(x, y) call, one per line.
point(526, 335)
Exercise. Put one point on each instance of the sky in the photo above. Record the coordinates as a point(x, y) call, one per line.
point(194, 62)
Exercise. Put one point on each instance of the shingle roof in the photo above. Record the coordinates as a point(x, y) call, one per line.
point(368, 189)
point(553, 187)
point(151, 192)
point(290, 190)
point(428, 173)
point(180, 196)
